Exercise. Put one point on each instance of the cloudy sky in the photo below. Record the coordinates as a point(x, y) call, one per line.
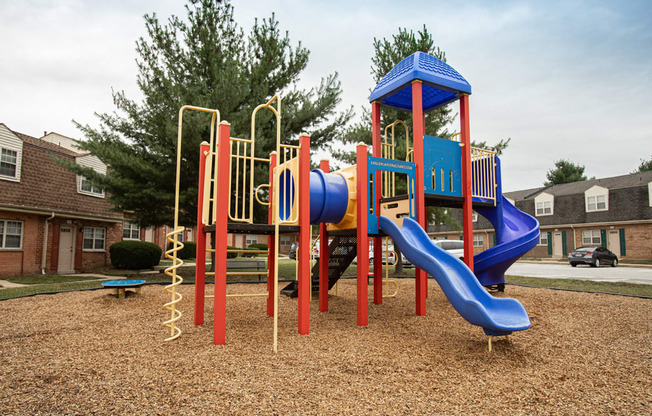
point(564, 79)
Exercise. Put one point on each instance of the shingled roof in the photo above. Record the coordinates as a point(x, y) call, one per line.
point(45, 145)
point(573, 188)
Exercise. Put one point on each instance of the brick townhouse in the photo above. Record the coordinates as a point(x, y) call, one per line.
point(614, 212)
point(51, 220)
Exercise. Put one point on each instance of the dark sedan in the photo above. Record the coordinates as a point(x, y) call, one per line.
point(592, 255)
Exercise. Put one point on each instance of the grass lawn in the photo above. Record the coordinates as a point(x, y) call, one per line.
point(287, 271)
point(583, 285)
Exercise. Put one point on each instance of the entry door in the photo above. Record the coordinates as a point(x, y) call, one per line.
point(557, 244)
point(66, 251)
point(613, 242)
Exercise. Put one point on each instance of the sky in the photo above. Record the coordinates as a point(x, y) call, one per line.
point(565, 79)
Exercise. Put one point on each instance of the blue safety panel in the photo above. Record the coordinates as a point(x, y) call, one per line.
point(123, 283)
point(442, 161)
point(441, 83)
point(376, 164)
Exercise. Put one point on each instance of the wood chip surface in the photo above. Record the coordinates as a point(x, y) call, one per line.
point(90, 353)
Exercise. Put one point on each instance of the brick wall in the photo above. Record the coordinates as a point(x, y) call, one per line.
point(26, 260)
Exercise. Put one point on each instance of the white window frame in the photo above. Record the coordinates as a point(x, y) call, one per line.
point(589, 237)
point(285, 241)
point(544, 208)
point(94, 190)
point(15, 177)
point(4, 233)
point(544, 204)
point(596, 199)
point(251, 239)
point(131, 227)
point(543, 238)
point(649, 192)
point(474, 216)
point(92, 231)
point(478, 240)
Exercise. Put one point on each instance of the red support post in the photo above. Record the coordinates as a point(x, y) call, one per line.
point(271, 240)
point(362, 235)
point(323, 255)
point(378, 247)
point(303, 251)
point(200, 255)
point(467, 186)
point(418, 129)
point(221, 230)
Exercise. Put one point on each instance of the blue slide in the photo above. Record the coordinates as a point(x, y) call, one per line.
point(497, 316)
point(516, 234)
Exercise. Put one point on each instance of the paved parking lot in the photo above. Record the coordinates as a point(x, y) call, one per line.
point(565, 271)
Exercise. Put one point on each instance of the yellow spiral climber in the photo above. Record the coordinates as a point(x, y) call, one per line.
point(171, 271)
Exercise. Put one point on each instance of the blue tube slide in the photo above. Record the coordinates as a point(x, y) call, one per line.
point(329, 197)
point(496, 316)
point(516, 234)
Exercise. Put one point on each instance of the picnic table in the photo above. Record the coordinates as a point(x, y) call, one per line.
point(121, 285)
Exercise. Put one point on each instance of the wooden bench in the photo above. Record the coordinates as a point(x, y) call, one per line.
point(246, 264)
point(121, 285)
point(259, 265)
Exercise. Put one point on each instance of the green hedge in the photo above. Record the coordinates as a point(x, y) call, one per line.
point(245, 254)
point(231, 255)
point(189, 250)
point(134, 255)
point(258, 246)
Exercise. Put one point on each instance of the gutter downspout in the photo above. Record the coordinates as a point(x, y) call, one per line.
point(574, 237)
point(45, 243)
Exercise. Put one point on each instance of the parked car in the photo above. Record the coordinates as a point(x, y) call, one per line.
point(387, 251)
point(595, 256)
point(453, 247)
point(293, 250)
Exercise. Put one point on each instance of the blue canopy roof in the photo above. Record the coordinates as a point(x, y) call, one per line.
point(441, 83)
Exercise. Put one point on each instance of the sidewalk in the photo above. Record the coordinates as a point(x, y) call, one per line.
point(553, 261)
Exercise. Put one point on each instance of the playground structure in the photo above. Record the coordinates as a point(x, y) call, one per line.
point(357, 203)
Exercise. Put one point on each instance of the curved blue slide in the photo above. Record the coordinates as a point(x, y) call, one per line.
point(497, 316)
point(516, 234)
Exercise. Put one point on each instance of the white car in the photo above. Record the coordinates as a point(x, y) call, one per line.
point(387, 251)
point(453, 247)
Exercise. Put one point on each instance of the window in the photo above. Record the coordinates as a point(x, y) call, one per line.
point(544, 208)
point(478, 240)
point(11, 234)
point(8, 163)
point(253, 239)
point(596, 203)
point(94, 238)
point(130, 231)
point(591, 237)
point(474, 216)
point(543, 239)
point(285, 240)
point(544, 204)
point(596, 198)
point(85, 187)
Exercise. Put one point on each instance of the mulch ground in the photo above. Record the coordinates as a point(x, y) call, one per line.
point(90, 353)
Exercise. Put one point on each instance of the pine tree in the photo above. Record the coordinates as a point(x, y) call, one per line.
point(205, 60)
point(565, 171)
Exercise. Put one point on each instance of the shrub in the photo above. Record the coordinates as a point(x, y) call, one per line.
point(231, 255)
point(189, 250)
point(245, 254)
point(134, 255)
point(258, 246)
